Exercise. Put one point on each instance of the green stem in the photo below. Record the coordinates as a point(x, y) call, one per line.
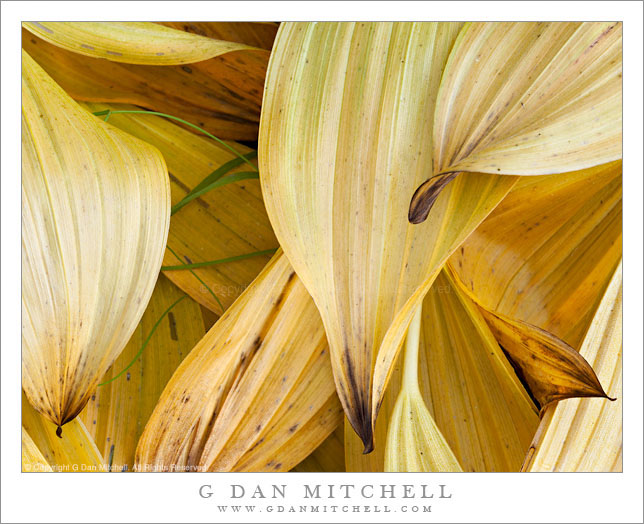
point(145, 342)
point(220, 261)
point(109, 112)
point(235, 177)
point(410, 366)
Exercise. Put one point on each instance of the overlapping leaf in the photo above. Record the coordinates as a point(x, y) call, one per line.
point(142, 43)
point(345, 138)
point(328, 457)
point(586, 434)
point(119, 409)
point(547, 252)
point(228, 221)
point(222, 95)
point(256, 393)
point(32, 459)
point(256, 34)
point(96, 207)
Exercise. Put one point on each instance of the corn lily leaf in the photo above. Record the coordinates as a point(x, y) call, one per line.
point(256, 34)
point(74, 450)
point(586, 434)
point(222, 95)
point(32, 458)
point(328, 457)
point(222, 223)
point(545, 255)
point(530, 99)
point(143, 43)
point(119, 409)
point(479, 406)
point(256, 393)
point(96, 209)
point(345, 138)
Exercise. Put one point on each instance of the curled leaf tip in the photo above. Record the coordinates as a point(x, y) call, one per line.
point(59, 432)
point(424, 197)
point(368, 445)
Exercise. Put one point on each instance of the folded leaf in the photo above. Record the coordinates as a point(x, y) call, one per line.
point(478, 403)
point(546, 254)
point(96, 208)
point(328, 457)
point(256, 34)
point(345, 139)
point(586, 434)
point(414, 442)
point(256, 393)
point(32, 459)
point(73, 451)
point(222, 95)
point(131, 42)
point(530, 98)
point(551, 368)
point(119, 409)
point(228, 221)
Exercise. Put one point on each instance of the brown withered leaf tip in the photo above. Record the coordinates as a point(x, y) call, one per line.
point(426, 194)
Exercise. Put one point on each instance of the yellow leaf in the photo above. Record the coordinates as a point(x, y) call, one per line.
point(73, 451)
point(468, 385)
point(530, 99)
point(329, 456)
point(228, 221)
point(546, 254)
point(96, 209)
point(345, 138)
point(222, 95)
point(256, 34)
point(414, 442)
point(586, 434)
point(32, 459)
point(256, 393)
point(131, 42)
point(119, 409)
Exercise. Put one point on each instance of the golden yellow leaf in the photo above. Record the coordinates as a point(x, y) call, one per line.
point(414, 442)
point(73, 451)
point(586, 434)
point(468, 385)
point(329, 456)
point(546, 254)
point(345, 138)
point(32, 459)
point(96, 209)
point(132, 42)
point(119, 409)
point(222, 95)
point(228, 221)
point(256, 393)
point(530, 98)
point(256, 34)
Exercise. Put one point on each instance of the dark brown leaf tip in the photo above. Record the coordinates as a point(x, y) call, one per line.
point(424, 197)
point(59, 432)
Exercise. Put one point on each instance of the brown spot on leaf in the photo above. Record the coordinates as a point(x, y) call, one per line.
point(425, 196)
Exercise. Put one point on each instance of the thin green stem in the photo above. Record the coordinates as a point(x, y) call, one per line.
point(109, 112)
point(235, 177)
point(220, 261)
point(410, 366)
point(199, 279)
point(145, 342)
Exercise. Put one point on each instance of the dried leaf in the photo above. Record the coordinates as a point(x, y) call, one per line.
point(551, 368)
point(546, 254)
point(337, 184)
point(530, 98)
point(586, 434)
point(32, 459)
point(256, 393)
point(222, 95)
point(73, 451)
point(256, 34)
point(328, 457)
point(144, 43)
point(119, 409)
point(225, 222)
point(96, 208)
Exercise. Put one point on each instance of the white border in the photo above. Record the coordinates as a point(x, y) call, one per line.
point(174, 498)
